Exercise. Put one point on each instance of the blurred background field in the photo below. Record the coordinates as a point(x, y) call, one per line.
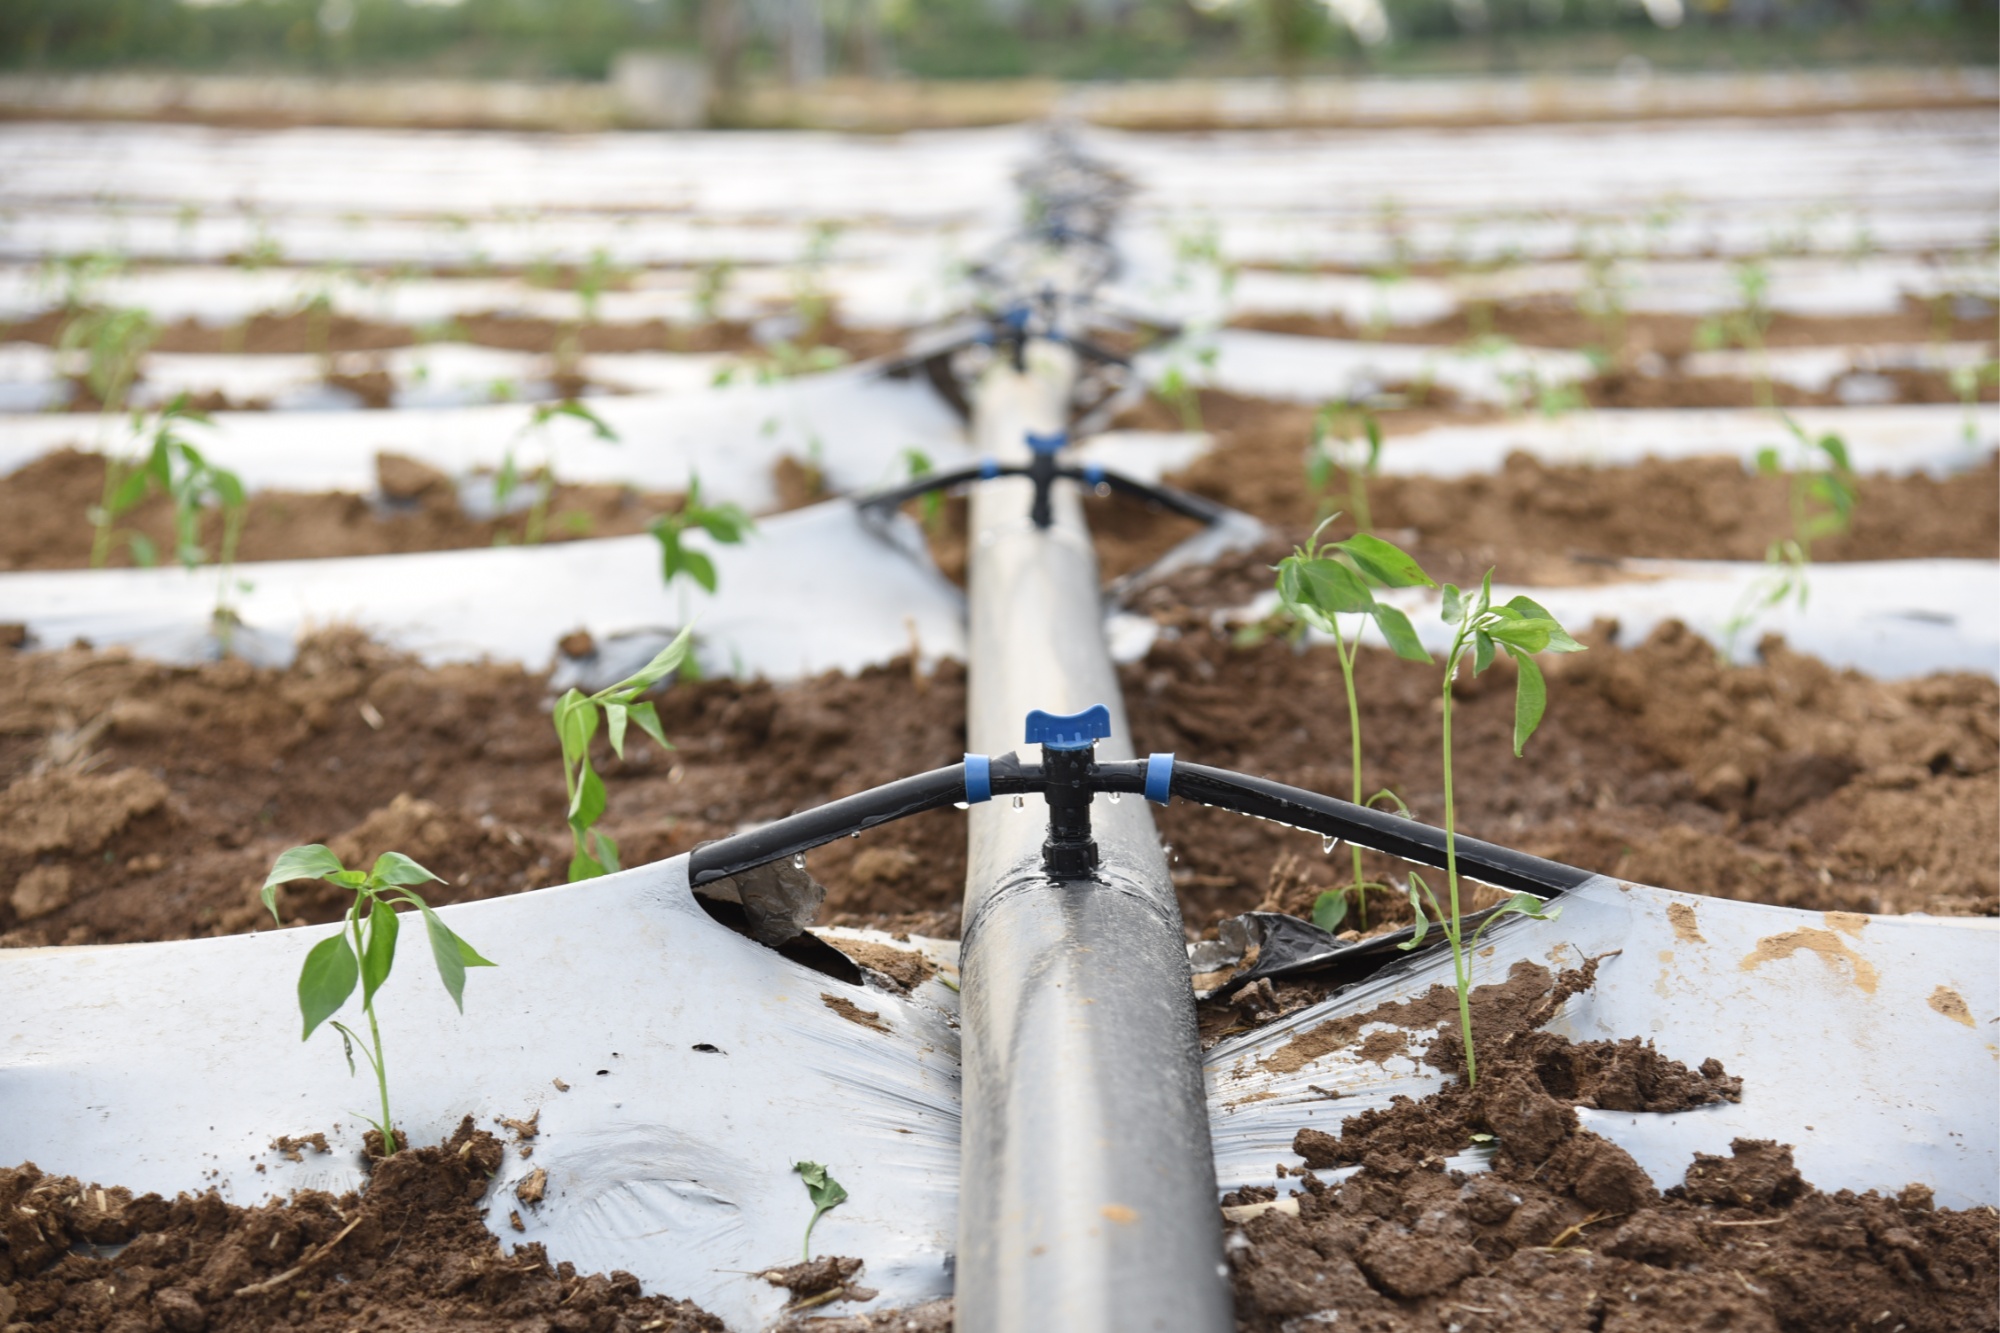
point(889, 64)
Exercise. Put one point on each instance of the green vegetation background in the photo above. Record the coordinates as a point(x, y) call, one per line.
point(1066, 39)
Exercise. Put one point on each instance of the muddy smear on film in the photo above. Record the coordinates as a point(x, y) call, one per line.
point(1566, 1230)
point(141, 801)
point(409, 1252)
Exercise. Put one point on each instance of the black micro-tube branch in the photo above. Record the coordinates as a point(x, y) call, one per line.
point(1261, 798)
point(1330, 817)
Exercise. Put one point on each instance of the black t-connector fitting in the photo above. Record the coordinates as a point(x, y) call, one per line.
point(1069, 772)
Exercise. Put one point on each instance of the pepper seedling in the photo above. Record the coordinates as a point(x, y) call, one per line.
point(1821, 495)
point(508, 480)
point(364, 949)
point(1318, 583)
point(826, 1194)
point(1521, 628)
point(1334, 448)
point(577, 715)
point(724, 523)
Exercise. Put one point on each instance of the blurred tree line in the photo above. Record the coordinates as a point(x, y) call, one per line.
point(803, 39)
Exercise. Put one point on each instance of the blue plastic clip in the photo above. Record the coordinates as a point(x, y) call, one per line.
point(1160, 777)
point(1075, 731)
point(1048, 444)
point(978, 779)
point(1093, 474)
point(988, 469)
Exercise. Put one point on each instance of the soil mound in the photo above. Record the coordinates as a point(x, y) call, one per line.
point(409, 1253)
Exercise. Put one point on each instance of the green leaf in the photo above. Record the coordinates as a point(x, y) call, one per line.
point(648, 719)
point(1329, 910)
point(311, 862)
point(824, 1191)
point(1482, 651)
point(1835, 448)
point(326, 980)
point(396, 869)
point(1395, 800)
point(1453, 609)
point(1323, 585)
point(1486, 592)
point(663, 664)
point(576, 723)
point(614, 727)
point(452, 956)
point(699, 568)
point(584, 866)
point(131, 490)
point(586, 807)
point(381, 954)
point(1420, 925)
point(1559, 638)
point(606, 849)
point(1531, 699)
point(144, 553)
point(1402, 635)
point(1767, 461)
point(1386, 563)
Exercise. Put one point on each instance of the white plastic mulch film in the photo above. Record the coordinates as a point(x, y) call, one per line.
point(1866, 1042)
point(699, 1067)
point(679, 1069)
point(809, 591)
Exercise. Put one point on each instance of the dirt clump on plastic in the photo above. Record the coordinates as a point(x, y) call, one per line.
point(409, 1252)
point(1786, 781)
point(1566, 1230)
point(147, 801)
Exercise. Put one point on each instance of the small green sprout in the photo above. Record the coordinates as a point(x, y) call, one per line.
point(114, 341)
point(931, 503)
point(1521, 628)
point(811, 301)
point(577, 715)
point(1821, 496)
point(173, 466)
point(724, 523)
point(1318, 583)
point(508, 479)
point(826, 1194)
point(711, 285)
point(1334, 448)
point(364, 950)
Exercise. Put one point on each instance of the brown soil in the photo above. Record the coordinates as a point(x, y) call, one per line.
point(301, 333)
point(1785, 782)
point(1540, 522)
point(1559, 324)
point(1566, 1231)
point(43, 523)
point(410, 1253)
point(146, 802)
